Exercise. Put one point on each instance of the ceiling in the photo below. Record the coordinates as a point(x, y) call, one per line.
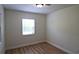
point(32, 8)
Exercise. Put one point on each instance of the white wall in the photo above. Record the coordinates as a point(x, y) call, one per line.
point(14, 37)
point(2, 43)
point(63, 29)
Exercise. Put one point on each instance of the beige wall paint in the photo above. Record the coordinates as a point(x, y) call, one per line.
point(2, 43)
point(63, 28)
point(14, 37)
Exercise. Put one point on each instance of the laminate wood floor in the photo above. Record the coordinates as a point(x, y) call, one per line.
point(40, 48)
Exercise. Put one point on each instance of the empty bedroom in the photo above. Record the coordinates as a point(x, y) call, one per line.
point(39, 28)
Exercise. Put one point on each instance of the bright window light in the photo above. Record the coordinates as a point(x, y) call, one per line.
point(28, 26)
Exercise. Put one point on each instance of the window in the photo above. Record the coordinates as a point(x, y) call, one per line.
point(28, 26)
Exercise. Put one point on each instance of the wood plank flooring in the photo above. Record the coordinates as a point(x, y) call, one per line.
point(40, 48)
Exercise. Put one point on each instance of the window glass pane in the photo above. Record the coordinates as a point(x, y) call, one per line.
point(28, 26)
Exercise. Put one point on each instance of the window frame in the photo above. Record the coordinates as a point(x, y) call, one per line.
point(34, 27)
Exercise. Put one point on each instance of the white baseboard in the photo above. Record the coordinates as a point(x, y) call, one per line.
point(63, 49)
point(21, 45)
